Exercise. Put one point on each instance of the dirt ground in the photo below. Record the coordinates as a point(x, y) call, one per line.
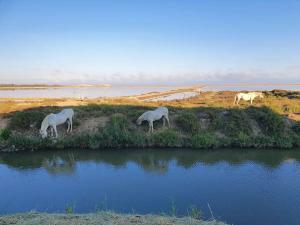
point(100, 218)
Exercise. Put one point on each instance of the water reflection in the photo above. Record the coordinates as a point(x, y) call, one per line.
point(152, 161)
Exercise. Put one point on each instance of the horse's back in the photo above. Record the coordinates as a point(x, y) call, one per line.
point(163, 110)
point(68, 112)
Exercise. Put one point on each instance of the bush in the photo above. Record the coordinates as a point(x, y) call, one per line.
point(232, 123)
point(270, 122)
point(242, 140)
point(22, 142)
point(26, 119)
point(119, 133)
point(283, 141)
point(204, 140)
point(263, 141)
point(5, 134)
point(188, 122)
point(296, 127)
point(166, 138)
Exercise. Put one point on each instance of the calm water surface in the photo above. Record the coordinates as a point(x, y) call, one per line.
point(241, 187)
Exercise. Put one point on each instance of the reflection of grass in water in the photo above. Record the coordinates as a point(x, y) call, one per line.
point(194, 212)
point(69, 209)
point(173, 208)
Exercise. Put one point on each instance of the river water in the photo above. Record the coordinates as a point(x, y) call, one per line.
point(245, 187)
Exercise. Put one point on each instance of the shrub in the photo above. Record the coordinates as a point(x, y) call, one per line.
point(263, 141)
point(283, 141)
point(22, 142)
point(25, 119)
point(270, 122)
point(232, 123)
point(166, 138)
point(242, 140)
point(119, 133)
point(204, 140)
point(188, 122)
point(296, 127)
point(5, 134)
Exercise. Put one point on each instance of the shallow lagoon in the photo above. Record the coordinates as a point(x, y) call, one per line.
point(242, 187)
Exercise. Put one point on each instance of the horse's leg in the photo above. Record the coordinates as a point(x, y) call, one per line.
point(55, 130)
point(68, 130)
point(167, 118)
point(238, 100)
point(251, 100)
point(164, 121)
point(51, 131)
point(149, 131)
point(71, 123)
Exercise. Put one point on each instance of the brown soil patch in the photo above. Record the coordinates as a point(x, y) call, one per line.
point(3, 122)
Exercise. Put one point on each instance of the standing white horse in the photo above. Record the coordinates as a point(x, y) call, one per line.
point(247, 96)
point(52, 120)
point(151, 116)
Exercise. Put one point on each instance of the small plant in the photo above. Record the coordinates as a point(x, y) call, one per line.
point(204, 140)
point(188, 122)
point(5, 134)
point(69, 209)
point(167, 138)
point(194, 212)
point(242, 140)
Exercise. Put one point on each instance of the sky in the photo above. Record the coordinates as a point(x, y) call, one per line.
point(136, 42)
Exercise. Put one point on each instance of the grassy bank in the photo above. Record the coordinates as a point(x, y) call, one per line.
point(104, 218)
point(214, 125)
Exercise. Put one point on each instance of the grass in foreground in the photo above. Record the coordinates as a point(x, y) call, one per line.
point(103, 218)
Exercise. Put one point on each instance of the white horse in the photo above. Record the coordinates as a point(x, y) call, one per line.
point(247, 96)
point(151, 116)
point(52, 120)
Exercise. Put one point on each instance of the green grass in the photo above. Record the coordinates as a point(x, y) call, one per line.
point(188, 122)
point(204, 140)
point(5, 134)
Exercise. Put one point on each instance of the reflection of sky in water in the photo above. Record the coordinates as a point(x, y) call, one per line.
point(242, 187)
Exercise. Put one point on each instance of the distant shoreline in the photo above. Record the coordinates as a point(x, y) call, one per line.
point(44, 86)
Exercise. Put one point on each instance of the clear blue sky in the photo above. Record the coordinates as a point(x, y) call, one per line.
point(149, 42)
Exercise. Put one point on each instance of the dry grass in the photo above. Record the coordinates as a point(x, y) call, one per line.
point(282, 104)
point(103, 218)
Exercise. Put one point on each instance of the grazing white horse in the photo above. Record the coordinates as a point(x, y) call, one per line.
point(151, 116)
point(52, 120)
point(247, 96)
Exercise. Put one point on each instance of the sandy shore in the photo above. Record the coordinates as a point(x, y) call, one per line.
point(103, 218)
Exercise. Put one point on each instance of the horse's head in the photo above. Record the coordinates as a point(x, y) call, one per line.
point(43, 133)
point(139, 120)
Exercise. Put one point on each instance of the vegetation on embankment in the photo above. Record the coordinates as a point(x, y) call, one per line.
point(98, 126)
point(104, 218)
